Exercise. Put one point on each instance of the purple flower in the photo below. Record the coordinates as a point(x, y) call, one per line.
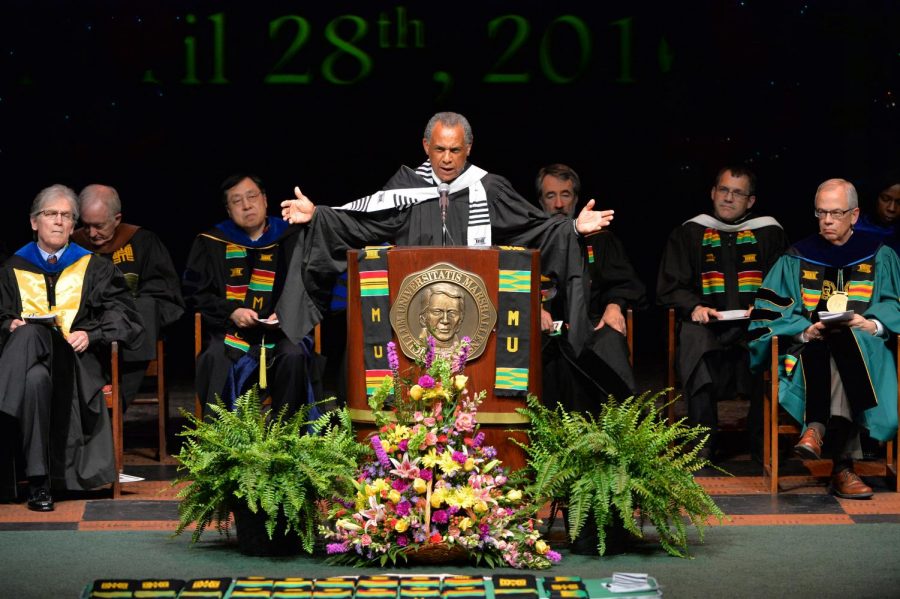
point(453, 509)
point(426, 382)
point(402, 508)
point(402, 541)
point(333, 548)
point(379, 452)
point(554, 556)
point(459, 457)
point(399, 485)
point(439, 517)
point(459, 364)
point(403, 445)
point(393, 361)
point(490, 453)
point(478, 440)
point(429, 355)
point(425, 475)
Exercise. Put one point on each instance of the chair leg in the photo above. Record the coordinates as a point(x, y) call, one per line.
point(162, 399)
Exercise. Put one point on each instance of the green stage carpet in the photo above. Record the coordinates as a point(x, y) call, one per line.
point(860, 560)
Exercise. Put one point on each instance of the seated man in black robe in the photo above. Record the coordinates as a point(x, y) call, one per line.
point(144, 260)
point(479, 209)
point(233, 277)
point(714, 263)
point(584, 381)
point(60, 307)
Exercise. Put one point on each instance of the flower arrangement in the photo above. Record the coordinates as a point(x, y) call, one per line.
point(431, 485)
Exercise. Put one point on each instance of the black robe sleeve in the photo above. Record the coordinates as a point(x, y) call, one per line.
point(107, 311)
point(613, 278)
point(203, 283)
point(677, 285)
point(158, 278)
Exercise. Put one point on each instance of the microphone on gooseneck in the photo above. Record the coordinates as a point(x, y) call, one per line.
point(444, 193)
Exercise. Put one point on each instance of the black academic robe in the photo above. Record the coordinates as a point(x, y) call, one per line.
point(680, 285)
point(81, 451)
point(582, 382)
point(208, 273)
point(323, 245)
point(150, 274)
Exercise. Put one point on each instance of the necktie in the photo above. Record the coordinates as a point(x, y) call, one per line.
point(51, 259)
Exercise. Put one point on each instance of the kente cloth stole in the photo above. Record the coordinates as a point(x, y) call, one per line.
point(478, 231)
point(513, 323)
point(375, 310)
point(858, 284)
point(249, 280)
point(711, 273)
point(69, 285)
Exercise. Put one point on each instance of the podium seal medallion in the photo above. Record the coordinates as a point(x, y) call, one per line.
point(446, 302)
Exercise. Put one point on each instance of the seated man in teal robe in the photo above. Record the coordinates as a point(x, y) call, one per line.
point(834, 299)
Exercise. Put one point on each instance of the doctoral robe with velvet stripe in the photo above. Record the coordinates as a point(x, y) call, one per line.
point(101, 305)
point(779, 310)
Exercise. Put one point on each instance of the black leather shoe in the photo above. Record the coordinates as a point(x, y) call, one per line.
point(40, 500)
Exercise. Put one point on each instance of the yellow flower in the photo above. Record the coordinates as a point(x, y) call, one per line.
point(447, 463)
point(469, 465)
point(541, 547)
point(431, 458)
point(480, 507)
point(463, 497)
point(459, 381)
point(465, 523)
point(385, 444)
point(371, 490)
point(394, 496)
point(401, 525)
point(401, 432)
point(378, 485)
point(437, 498)
point(420, 485)
point(514, 495)
point(415, 392)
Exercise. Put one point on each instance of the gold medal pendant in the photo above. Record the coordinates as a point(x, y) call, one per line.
point(837, 302)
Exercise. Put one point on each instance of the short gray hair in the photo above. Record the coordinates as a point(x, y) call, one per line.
point(449, 119)
point(51, 193)
point(847, 186)
point(101, 193)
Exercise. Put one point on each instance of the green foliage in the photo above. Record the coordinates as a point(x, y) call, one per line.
point(626, 458)
point(265, 460)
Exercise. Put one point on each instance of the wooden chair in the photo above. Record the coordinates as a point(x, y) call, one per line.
point(777, 422)
point(114, 404)
point(156, 368)
point(198, 347)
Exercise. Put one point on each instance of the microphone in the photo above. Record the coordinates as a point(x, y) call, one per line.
point(444, 192)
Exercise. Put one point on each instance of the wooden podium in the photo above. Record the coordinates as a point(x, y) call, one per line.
point(497, 414)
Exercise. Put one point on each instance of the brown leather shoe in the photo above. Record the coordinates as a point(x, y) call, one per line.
point(810, 445)
point(848, 485)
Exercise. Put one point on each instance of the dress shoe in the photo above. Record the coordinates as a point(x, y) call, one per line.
point(810, 445)
point(848, 485)
point(39, 500)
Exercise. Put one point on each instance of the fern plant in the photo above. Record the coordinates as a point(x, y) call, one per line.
point(626, 458)
point(266, 461)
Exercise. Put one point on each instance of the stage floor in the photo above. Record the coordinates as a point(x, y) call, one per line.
point(151, 504)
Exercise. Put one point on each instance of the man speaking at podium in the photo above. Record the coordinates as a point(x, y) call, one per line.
point(481, 209)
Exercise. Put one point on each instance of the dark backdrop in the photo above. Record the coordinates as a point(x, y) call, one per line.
point(645, 101)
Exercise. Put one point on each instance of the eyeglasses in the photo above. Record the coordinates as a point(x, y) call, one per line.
point(835, 214)
point(737, 194)
point(250, 198)
point(53, 214)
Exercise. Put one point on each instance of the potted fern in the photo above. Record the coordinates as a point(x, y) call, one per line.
point(624, 460)
point(263, 467)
